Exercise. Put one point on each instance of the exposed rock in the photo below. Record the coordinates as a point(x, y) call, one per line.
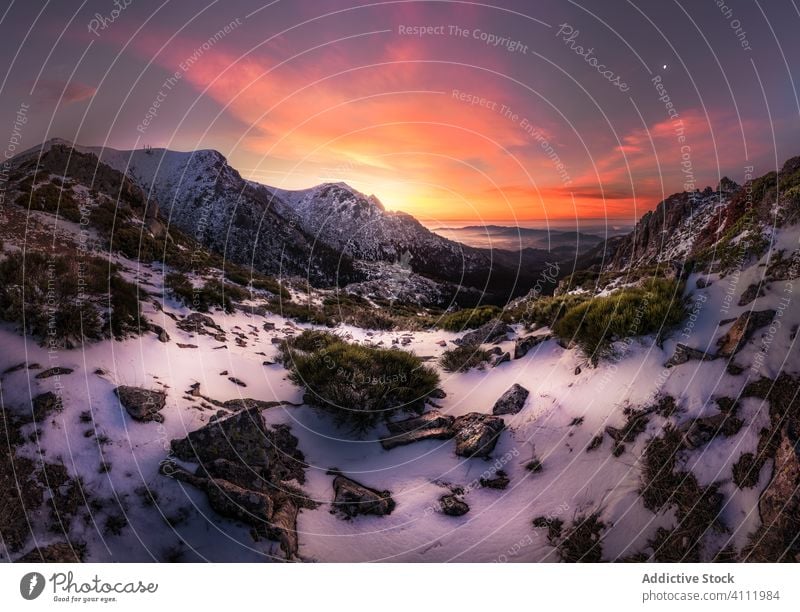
point(198, 323)
point(247, 403)
point(477, 434)
point(500, 359)
point(685, 353)
point(241, 438)
point(783, 268)
point(512, 401)
point(779, 508)
point(750, 294)
point(194, 390)
point(142, 404)
point(429, 426)
point(283, 526)
point(237, 381)
point(245, 469)
point(159, 331)
point(185, 346)
point(352, 499)
point(492, 331)
point(523, 345)
point(429, 420)
point(742, 330)
point(44, 404)
point(700, 432)
point(500, 481)
point(451, 505)
point(57, 371)
point(437, 393)
point(227, 498)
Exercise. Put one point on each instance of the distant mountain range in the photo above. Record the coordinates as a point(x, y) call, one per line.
point(514, 238)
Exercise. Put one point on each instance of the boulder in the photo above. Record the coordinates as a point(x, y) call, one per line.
point(429, 426)
point(477, 434)
point(512, 401)
point(352, 499)
point(451, 505)
point(523, 345)
point(142, 404)
point(241, 438)
point(429, 420)
point(159, 331)
point(492, 331)
point(742, 330)
point(685, 353)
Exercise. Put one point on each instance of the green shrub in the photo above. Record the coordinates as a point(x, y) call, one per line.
point(59, 299)
point(357, 385)
point(650, 307)
point(52, 199)
point(543, 311)
point(463, 358)
point(304, 313)
point(468, 318)
point(213, 294)
point(254, 279)
point(355, 310)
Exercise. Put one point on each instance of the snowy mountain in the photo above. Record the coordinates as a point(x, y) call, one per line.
point(316, 233)
point(185, 434)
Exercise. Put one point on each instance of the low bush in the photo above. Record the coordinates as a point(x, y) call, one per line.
point(355, 310)
point(468, 318)
point(212, 294)
point(652, 306)
point(52, 199)
point(359, 386)
point(543, 311)
point(463, 358)
point(63, 300)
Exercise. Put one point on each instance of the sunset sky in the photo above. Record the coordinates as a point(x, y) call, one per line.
point(302, 92)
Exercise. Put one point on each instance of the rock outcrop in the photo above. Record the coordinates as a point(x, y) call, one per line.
point(742, 330)
point(352, 499)
point(492, 331)
point(684, 353)
point(431, 425)
point(512, 401)
point(477, 434)
point(142, 404)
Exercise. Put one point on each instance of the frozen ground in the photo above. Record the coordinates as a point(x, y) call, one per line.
point(563, 390)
